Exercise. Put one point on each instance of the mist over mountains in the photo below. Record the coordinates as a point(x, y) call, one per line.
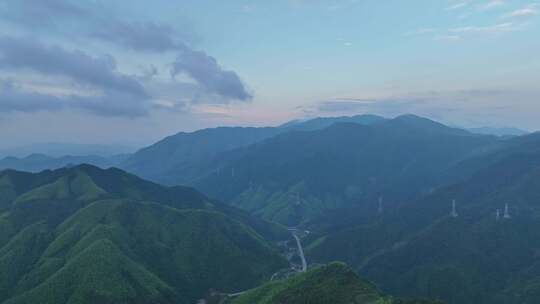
point(57, 150)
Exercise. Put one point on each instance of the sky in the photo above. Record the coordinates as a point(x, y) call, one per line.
point(131, 72)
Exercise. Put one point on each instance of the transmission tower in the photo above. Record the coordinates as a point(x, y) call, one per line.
point(454, 212)
point(506, 212)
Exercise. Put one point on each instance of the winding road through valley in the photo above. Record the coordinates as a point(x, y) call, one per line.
point(300, 251)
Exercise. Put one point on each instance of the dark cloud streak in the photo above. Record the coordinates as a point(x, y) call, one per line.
point(207, 72)
point(160, 38)
point(32, 13)
point(140, 36)
point(112, 104)
point(19, 53)
point(118, 94)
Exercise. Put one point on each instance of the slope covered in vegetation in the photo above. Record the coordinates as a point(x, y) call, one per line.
point(86, 235)
point(476, 257)
point(334, 283)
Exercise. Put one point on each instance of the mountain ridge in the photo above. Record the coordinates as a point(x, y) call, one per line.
point(85, 234)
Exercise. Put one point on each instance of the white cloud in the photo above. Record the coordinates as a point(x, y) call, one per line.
point(458, 5)
point(448, 38)
point(529, 10)
point(421, 31)
point(492, 29)
point(492, 4)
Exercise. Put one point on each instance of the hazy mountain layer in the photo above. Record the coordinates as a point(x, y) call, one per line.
point(40, 162)
point(184, 158)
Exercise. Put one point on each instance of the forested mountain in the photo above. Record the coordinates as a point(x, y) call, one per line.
point(184, 158)
point(297, 176)
point(63, 231)
point(477, 257)
point(87, 235)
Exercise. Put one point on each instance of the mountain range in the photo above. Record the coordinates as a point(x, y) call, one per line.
point(87, 235)
point(299, 175)
point(373, 192)
point(420, 249)
point(184, 158)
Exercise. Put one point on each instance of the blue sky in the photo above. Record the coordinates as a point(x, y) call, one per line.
point(131, 72)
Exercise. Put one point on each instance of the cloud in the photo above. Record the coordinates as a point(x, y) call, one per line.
point(458, 5)
point(448, 38)
point(468, 106)
point(492, 4)
point(19, 53)
point(492, 29)
point(141, 36)
point(206, 71)
point(14, 98)
point(527, 11)
point(346, 106)
point(421, 31)
point(116, 94)
point(201, 67)
point(222, 86)
point(41, 12)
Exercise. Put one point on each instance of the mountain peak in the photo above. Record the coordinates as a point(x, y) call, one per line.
point(424, 125)
point(324, 122)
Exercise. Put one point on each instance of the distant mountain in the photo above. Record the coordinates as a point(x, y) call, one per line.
point(62, 149)
point(324, 122)
point(297, 176)
point(87, 235)
point(40, 162)
point(498, 131)
point(419, 249)
point(184, 158)
point(334, 283)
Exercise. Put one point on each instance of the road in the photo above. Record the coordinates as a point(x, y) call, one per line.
point(300, 251)
point(234, 295)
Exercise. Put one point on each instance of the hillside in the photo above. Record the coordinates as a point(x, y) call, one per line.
point(334, 283)
point(298, 176)
point(86, 235)
point(419, 249)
